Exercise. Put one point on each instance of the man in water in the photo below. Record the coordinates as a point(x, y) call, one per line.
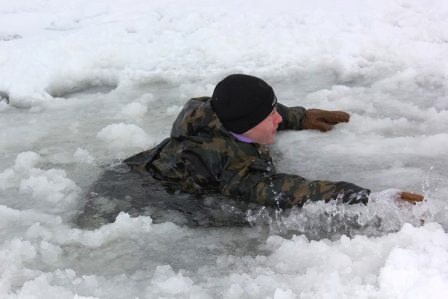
point(220, 145)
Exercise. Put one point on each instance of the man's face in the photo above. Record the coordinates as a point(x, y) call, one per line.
point(264, 133)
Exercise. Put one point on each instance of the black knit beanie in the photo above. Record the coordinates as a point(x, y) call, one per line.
point(242, 102)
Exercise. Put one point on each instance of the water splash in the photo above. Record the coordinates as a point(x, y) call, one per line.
point(318, 220)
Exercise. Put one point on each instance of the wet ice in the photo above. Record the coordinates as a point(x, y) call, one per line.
point(89, 84)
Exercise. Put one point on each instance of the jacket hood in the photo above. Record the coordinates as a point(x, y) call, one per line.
point(197, 118)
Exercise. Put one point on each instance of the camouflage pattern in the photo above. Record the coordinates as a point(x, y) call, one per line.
point(202, 157)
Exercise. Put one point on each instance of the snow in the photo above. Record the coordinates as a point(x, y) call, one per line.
point(124, 135)
point(83, 156)
point(87, 83)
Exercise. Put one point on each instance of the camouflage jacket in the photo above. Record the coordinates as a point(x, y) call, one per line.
point(201, 156)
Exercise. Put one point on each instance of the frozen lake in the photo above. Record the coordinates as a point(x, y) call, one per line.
point(86, 84)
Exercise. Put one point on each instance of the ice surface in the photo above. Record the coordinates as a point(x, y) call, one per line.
point(88, 83)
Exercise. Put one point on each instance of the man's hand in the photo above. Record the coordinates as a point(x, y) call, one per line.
point(323, 120)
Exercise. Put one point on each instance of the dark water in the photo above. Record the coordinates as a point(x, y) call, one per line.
point(120, 189)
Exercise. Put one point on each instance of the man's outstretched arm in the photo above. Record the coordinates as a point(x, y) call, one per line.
point(298, 118)
point(286, 190)
point(292, 117)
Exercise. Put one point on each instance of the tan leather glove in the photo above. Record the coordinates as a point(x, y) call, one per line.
point(323, 120)
point(411, 197)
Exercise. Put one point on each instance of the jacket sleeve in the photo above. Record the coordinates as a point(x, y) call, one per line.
point(258, 182)
point(285, 191)
point(292, 117)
